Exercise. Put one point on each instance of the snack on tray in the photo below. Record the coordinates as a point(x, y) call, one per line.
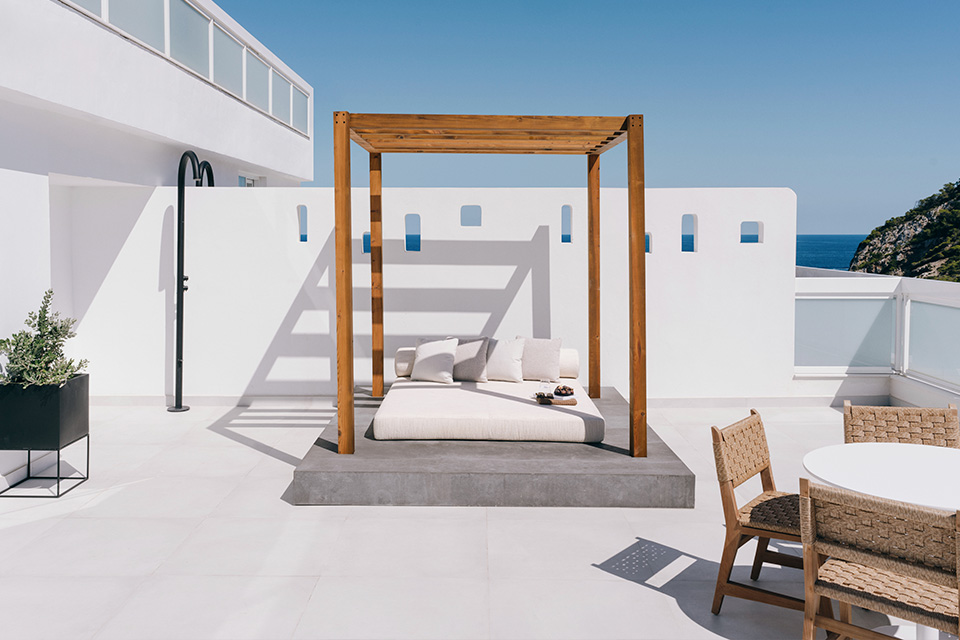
point(563, 390)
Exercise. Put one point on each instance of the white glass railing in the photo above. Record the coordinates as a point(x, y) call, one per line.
point(874, 324)
point(845, 332)
point(183, 33)
point(933, 342)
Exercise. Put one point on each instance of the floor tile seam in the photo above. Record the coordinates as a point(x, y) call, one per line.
point(306, 607)
point(174, 551)
point(106, 620)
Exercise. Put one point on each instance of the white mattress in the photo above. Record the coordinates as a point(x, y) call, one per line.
point(415, 410)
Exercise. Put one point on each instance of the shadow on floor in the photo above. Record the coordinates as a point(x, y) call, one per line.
point(235, 421)
point(690, 581)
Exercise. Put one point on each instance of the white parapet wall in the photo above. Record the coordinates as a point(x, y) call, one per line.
point(80, 98)
point(260, 316)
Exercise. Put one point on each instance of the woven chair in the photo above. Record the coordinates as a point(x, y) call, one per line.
point(914, 425)
point(891, 557)
point(741, 453)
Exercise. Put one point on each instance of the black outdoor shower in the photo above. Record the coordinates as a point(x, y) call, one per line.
point(199, 170)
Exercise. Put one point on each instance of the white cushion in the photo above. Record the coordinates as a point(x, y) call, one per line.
point(434, 361)
point(541, 359)
point(505, 360)
point(569, 363)
point(403, 361)
point(470, 362)
point(483, 411)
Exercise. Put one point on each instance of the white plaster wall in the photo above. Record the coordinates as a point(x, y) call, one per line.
point(24, 265)
point(260, 315)
point(79, 68)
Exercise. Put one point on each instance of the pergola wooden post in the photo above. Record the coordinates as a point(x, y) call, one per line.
point(343, 239)
point(376, 272)
point(422, 133)
point(638, 288)
point(593, 273)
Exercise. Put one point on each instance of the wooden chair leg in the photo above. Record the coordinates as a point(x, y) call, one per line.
point(845, 614)
point(758, 559)
point(730, 546)
point(811, 601)
point(809, 614)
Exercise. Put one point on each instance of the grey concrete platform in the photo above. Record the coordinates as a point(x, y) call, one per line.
point(469, 473)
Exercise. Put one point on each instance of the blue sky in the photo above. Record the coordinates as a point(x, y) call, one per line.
point(853, 105)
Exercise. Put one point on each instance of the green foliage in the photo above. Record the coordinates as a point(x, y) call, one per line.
point(935, 249)
point(36, 357)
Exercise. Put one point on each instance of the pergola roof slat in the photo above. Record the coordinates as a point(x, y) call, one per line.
point(426, 133)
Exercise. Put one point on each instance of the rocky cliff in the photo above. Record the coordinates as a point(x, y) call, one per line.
point(922, 243)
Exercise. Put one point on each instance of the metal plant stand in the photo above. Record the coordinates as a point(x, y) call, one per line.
point(59, 477)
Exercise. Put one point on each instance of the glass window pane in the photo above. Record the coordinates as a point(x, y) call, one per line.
point(189, 37)
point(300, 110)
point(844, 333)
point(566, 223)
point(934, 341)
point(258, 82)
point(227, 62)
point(93, 6)
point(143, 19)
point(281, 97)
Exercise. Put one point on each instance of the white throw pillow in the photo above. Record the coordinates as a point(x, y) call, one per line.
point(541, 358)
point(434, 361)
point(470, 363)
point(505, 360)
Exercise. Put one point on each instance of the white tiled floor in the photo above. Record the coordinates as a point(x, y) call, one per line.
point(182, 532)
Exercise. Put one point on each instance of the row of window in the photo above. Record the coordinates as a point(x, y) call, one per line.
point(179, 30)
point(751, 231)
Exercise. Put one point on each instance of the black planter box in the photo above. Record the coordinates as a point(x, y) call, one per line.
point(45, 418)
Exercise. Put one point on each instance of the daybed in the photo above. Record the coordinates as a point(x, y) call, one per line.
point(494, 410)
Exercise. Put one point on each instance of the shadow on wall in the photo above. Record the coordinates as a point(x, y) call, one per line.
point(166, 283)
point(690, 581)
point(88, 229)
point(529, 258)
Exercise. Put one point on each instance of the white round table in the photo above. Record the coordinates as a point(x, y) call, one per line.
point(916, 473)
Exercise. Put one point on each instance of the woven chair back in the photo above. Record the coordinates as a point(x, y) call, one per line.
point(912, 425)
point(914, 541)
point(741, 451)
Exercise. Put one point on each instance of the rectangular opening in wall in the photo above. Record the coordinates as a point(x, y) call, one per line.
point(281, 97)
point(227, 62)
point(247, 182)
point(300, 111)
point(647, 243)
point(189, 37)
point(302, 219)
point(258, 82)
point(688, 232)
point(411, 223)
point(366, 242)
point(470, 215)
point(143, 19)
point(751, 232)
point(566, 223)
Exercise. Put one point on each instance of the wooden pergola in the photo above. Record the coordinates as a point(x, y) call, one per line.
point(408, 133)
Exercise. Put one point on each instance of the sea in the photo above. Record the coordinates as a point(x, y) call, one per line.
point(827, 251)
